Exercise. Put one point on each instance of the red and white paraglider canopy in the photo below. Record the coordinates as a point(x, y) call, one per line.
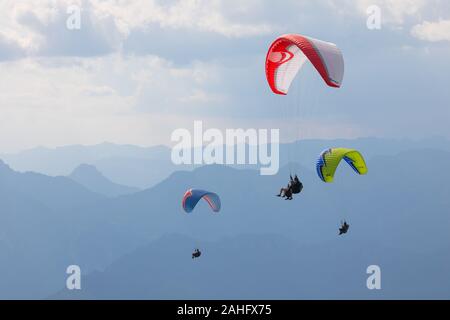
point(288, 54)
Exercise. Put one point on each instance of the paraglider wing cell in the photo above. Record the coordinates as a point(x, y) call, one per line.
point(193, 196)
point(288, 54)
point(329, 161)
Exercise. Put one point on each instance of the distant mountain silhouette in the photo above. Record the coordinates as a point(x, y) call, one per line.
point(398, 215)
point(263, 266)
point(36, 230)
point(144, 167)
point(58, 193)
point(94, 180)
point(123, 164)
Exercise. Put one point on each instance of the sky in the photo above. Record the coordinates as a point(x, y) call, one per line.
point(134, 71)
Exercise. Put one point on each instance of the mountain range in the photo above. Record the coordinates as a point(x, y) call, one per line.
point(137, 245)
point(143, 167)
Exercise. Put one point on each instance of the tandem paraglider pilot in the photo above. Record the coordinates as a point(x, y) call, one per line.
point(294, 187)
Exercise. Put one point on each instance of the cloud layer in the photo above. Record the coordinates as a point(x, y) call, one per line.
point(136, 70)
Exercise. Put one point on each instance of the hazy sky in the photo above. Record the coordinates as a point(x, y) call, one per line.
point(137, 70)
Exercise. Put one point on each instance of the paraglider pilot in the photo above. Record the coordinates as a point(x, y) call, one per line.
point(344, 228)
point(196, 254)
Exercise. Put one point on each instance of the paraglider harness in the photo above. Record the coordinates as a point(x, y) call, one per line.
point(295, 185)
point(196, 254)
point(344, 228)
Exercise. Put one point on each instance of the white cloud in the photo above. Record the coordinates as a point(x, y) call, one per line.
point(140, 99)
point(129, 96)
point(393, 12)
point(199, 15)
point(40, 24)
point(432, 31)
point(397, 11)
point(56, 101)
point(39, 27)
point(200, 97)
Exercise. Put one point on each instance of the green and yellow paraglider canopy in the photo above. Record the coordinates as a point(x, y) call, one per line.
point(329, 160)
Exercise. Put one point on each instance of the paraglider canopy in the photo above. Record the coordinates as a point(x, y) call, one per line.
point(329, 160)
point(193, 196)
point(289, 52)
